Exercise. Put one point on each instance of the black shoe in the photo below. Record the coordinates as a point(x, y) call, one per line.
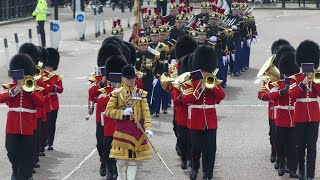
point(272, 158)
point(309, 178)
point(281, 170)
point(229, 72)
point(37, 165)
point(13, 177)
point(31, 178)
point(165, 112)
point(157, 115)
point(50, 148)
point(103, 171)
point(236, 74)
point(193, 174)
point(276, 165)
point(294, 175)
point(190, 163)
point(33, 171)
point(109, 176)
point(184, 165)
point(246, 68)
point(115, 176)
point(42, 154)
point(223, 85)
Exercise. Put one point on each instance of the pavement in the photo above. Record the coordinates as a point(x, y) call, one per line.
point(242, 142)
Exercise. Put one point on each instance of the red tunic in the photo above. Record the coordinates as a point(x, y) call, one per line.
point(263, 94)
point(284, 109)
point(22, 111)
point(181, 109)
point(201, 111)
point(306, 107)
point(55, 87)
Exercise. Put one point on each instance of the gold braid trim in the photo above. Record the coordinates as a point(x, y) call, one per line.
point(127, 137)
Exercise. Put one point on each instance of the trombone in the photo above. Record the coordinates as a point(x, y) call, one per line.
point(210, 80)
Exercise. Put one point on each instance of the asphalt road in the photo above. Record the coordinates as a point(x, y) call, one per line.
point(243, 145)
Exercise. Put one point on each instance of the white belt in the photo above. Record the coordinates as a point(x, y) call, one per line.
point(23, 110)
point(52, 93)
point(202, 106)
point(286, 107)
point(307, 99)
point(102, 114)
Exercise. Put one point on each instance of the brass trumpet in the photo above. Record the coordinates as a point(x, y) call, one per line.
point(39, 74)
point(28, 84)
point(316, 77)
point(166, 82)
point(210, 80)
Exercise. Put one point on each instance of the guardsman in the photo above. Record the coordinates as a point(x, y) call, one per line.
point(129, 107)
point(22, 97)
point(284, 122)
point(306, 89)
point(178, 30)
point(106, 51)
point(35, 53)
point(114, 65)
point(201, 111)
point(55, 82)
point(263, 94)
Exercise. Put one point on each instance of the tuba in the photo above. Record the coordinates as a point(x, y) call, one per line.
point(166, 82)
point(269, 70)
point(28, 84)
point(210, 80)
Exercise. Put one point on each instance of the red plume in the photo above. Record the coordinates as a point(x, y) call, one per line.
point(201, 22)
point(214, 8)
point(222, 11)
point(194, 26)
point(114, 24)
point(154, 23)
point(119, 22)
point(191, 8)
point(149, 12)
point(155, 10)
point(180, 10)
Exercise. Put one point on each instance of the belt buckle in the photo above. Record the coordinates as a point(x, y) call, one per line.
point(21, 109)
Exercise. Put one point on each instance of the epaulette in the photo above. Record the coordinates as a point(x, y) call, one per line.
point(39, 89)
point(144, 93)
point(92, 79)
point(7, 86)
point(60, 77)
point(102, 90)
point(116, 91)
point(162, 47)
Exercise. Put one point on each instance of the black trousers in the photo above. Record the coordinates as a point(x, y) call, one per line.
point(272, 137)
point(111, 162)
point(286, 147)
point(100, 137)
point(162, 7)
point(52, 119)
point(43, 136)
point(204, 141)
point(307, 137)
point(174, 123)
point(36, 142)
point(183, 142)
point(20, 149)
point(42, 32)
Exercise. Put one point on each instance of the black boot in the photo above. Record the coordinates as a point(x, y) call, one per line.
point(178, 150)
point(193, 174)
point(236, 74)
point(293, 174)
point(204, 175)
point(273, 157)
point(282, 169)
point(103, 170)
point(276, 165)
point(184, 165)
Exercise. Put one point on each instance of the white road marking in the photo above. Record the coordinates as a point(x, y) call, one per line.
point(83, 77)
point(85, 159)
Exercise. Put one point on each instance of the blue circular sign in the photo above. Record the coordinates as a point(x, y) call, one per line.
point(55, 27)
point(80, 18)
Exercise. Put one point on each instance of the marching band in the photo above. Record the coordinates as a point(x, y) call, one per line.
point(183, 58)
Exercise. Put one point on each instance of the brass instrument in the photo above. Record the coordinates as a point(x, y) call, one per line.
point(140, 74)
point(269, 70)
point(182, 80)
point(39, 74)
point(166, 82)
point(315, 76)
point(210, 80)
point(28, 84)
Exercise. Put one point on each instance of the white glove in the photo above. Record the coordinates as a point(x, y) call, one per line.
point(249, 42)
point(241, 44)
point(154, 82)
point(149, 133)
point(225, 60)
point(233, 57)
point(254, 40)
point(127, 111)
point(213, 39)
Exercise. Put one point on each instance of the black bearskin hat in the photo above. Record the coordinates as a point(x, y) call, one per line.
point(128, 71)
point(54, 58)
point(281, 50)
point(113, 40)
point(114, 64)
point(184, 64)
point(287, 64)
point(32, 50)
point(308, 52)
point(105, 52)
point(204, 58)
point(185, 45)
point(133, 53)
point(44, 55)
point(23, 61)
point(276, 44)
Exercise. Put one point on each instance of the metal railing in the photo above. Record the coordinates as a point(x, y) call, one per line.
point(10, 9)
